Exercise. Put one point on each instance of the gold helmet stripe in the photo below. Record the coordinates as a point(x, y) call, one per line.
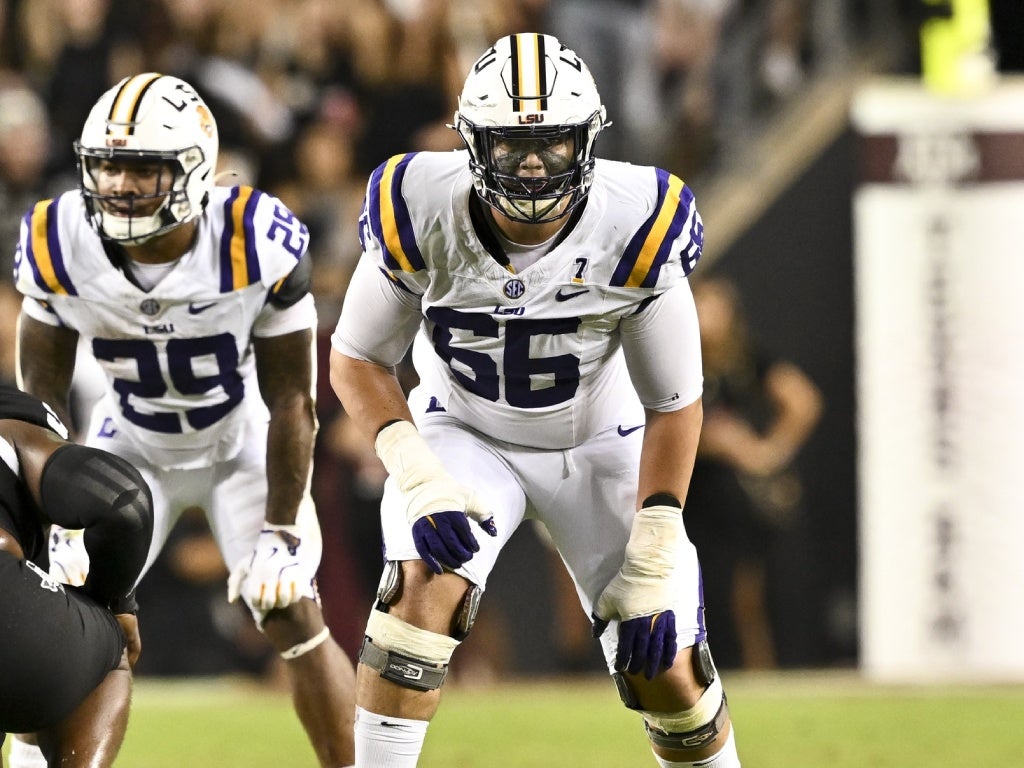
point(529, 73)
point(125, 108)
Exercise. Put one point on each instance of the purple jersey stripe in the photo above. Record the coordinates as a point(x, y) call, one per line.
point(226, 281)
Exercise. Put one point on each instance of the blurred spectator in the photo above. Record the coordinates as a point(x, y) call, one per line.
point(785, 48)
point(1008, 34)
point(78, 48)
point(688, 37)
point(24, 152)
point(10, 306)
point(11, 55)
point(325, 192)
point(411, 92)
point(743, 510)
point(617, 40)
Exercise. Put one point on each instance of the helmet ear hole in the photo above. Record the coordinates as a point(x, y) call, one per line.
point(148, 118)
point(530, 86)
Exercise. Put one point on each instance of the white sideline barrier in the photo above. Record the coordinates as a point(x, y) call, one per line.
point(939, 274)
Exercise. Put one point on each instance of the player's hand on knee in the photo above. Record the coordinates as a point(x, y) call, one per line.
point(69, 562)
point(438, 506)
point(640, 594)
point(274, 575)
point(647, 644)
point(445, 539)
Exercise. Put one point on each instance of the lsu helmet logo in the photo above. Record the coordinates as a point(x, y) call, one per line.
point(206, 122)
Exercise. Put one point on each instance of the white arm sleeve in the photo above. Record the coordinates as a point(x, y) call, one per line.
point(378, 319)
point(661, 344)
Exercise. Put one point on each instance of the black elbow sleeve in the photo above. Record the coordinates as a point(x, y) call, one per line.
point(87, 488)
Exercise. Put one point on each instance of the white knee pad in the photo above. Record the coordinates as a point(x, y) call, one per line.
point(692, 728)
point(405, 654)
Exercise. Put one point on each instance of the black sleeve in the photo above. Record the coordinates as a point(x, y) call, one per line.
point(88, 488)
point(293, 287)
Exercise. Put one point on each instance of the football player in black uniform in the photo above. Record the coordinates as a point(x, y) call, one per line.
point(66, 653)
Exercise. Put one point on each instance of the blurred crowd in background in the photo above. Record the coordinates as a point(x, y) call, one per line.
point(310, 96)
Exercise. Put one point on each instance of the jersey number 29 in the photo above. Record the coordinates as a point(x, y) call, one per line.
point(151, 385)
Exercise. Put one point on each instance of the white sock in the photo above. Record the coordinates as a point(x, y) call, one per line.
point(25, 755)
point(726, 757)
point(387, 742)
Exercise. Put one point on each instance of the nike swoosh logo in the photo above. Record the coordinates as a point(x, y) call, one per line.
point(386, 724)
point(560, 296)
point(629, 430)
point(195, 309)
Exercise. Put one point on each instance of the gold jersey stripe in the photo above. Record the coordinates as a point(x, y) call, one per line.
point(388, 219)
point(41, 247)
point(239, 263)
point(656, 236)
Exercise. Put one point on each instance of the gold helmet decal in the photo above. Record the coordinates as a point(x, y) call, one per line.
point(530, 80)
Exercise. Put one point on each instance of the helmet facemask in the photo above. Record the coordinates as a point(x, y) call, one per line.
point(499, 153)
point(122, 217)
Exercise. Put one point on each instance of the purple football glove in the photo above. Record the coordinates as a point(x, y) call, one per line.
point(646, 644)
point(445, 539)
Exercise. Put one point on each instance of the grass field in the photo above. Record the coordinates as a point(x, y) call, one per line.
point(819, 720)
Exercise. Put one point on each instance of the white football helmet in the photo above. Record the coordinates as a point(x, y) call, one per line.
point(154, 118)
point(531, 90)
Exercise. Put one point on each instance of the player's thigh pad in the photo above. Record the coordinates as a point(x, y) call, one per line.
point(477, 463)
point(56, 646)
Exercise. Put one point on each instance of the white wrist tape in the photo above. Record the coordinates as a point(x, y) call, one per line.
point(406, 455)
point(645, 583)
point(427, 486)
point(653, 547)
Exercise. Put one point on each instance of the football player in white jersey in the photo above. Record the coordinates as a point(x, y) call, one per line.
point(194, 300)
point(545, 295)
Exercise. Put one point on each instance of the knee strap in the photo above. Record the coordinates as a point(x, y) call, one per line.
point(692, 728)
point(405, 654)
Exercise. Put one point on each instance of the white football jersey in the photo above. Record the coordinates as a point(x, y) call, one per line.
point(178, 358)
point(536, 357)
